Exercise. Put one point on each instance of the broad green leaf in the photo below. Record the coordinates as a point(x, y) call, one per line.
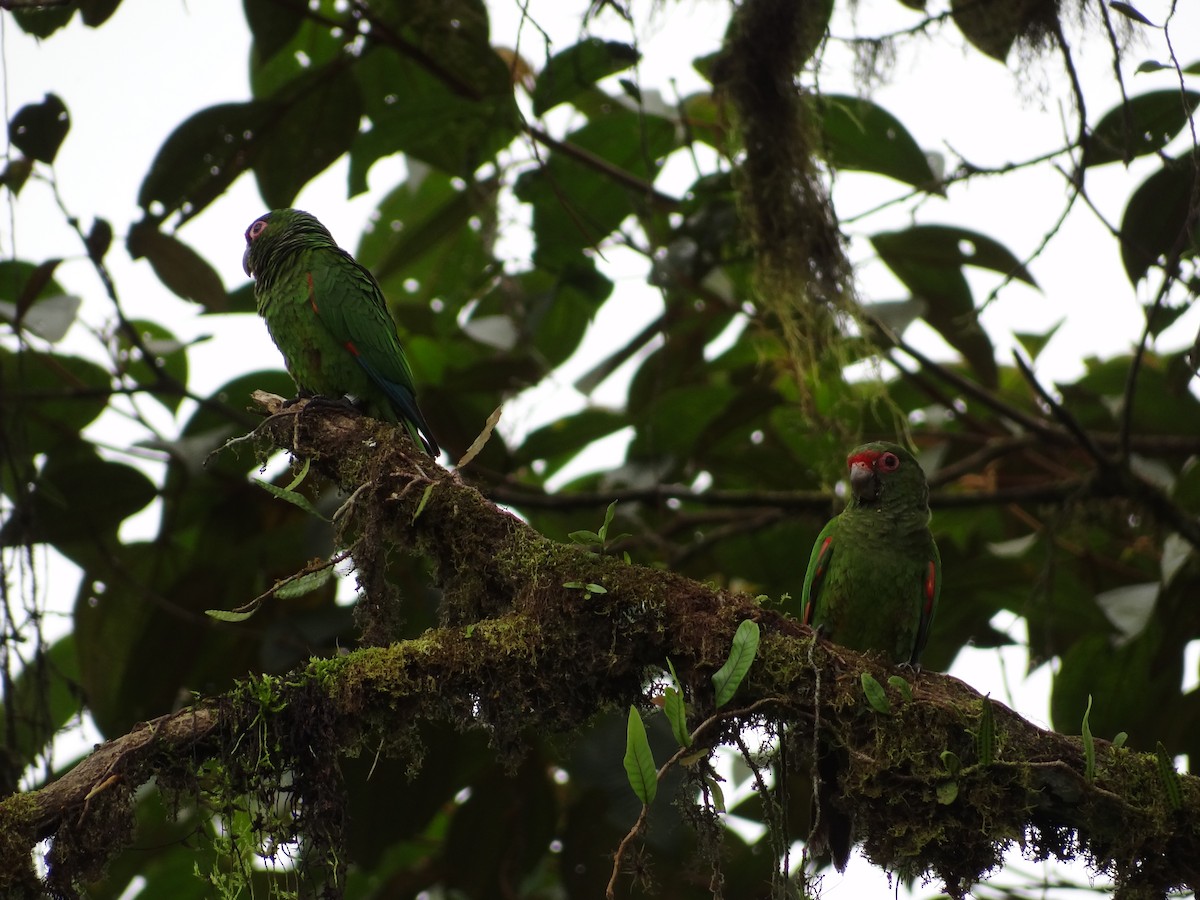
point(991, 27)
point(578, 67)
point(38, 129)
point(863, 136)
point(902, 687)
point(875, 694)
point(673, 707)
point(178, 266)
point(43, 21)
point(728, 678)
point(929, 260)
point(46, 399)
point(272, 25)
point(639, 761)
point(429, 242)
point(950, 762)
point(568, 435)
point(202, 157)
point(1155, 217)
point(453, 120)
point(576, 205)
point(42, 698)
point(96, 12)
point(78, 497)
point(314, 123)
point(167, 350)
point(1145, 124)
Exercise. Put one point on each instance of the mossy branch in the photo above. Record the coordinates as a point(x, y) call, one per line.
point(520, 654)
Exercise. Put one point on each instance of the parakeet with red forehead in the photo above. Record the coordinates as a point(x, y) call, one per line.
point(328, 318)
point(875, 574)
point(873, 582)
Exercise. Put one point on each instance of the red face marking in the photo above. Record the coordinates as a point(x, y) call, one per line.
point(875, 460)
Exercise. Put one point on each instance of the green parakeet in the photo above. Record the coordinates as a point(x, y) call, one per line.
point(328, 318)
point(873, 582)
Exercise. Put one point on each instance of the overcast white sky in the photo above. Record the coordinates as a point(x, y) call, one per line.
point(128, 84)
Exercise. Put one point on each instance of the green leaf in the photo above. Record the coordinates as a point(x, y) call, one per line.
point(315, 122)
point(228, 615)
point(272, 24)
point(585, 537)
point(42, 698)
point(947, 792)
point(673, 707)
point(43, 21)
point(578, 67)
point(178, 266)
point(951, 762)
point(1155, 217)
point(1034, 344)
point(728, 678)
point(1119, 741)
point(639, 761)
point(78, 497)
point(929, 260)
point(1142, 125)
point(202, 157)
point(863, 136)
point(47, 399)
point(576, 206)
point(305, 584)
point(1130, 12)
point(569, 434)
point(902, 686)
point(876, 696)
point(1168, 777)
point(425, 495)
point(291, 497)
point(1089, 745)
point(608, 517)
point(38, 129)
point(167, 350)
point(985, 737)
point(434, 116)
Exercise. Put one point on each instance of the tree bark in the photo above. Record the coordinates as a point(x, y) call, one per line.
point(522, 650)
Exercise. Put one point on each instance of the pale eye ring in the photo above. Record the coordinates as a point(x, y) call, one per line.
point(255, 230)
point(889, 462)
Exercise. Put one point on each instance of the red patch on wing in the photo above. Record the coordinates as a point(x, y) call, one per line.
point(349, 345)
point(930, 587)
point(312, 293)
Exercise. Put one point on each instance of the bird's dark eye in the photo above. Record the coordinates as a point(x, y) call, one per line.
point(889, 462)
point(255, 230)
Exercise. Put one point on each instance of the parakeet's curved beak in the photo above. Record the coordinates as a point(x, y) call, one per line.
point(246, 261)
point(863, 483)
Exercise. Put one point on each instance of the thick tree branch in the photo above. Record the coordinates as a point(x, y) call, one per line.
point(520, 653)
